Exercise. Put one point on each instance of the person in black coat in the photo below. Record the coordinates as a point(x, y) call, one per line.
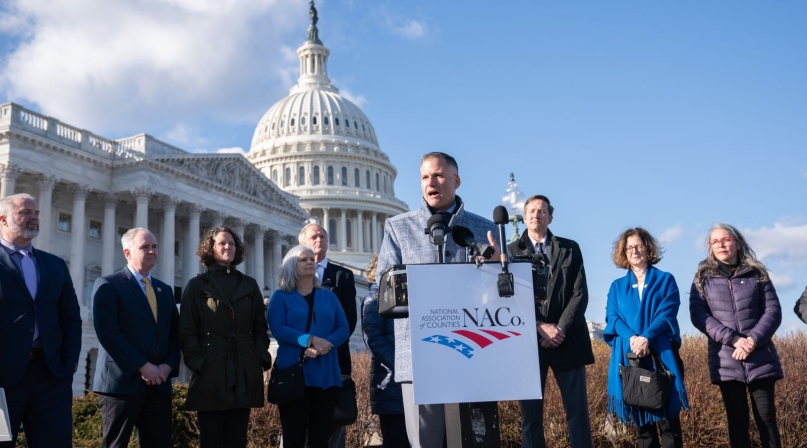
point(801, 306)
point(560, 307)
point(340, 281)
point(386, 399)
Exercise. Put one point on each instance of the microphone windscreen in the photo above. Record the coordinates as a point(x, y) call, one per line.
point(460, 234)
point(435, 218)
point(500, 215)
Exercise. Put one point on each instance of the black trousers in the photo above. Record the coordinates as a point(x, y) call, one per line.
point(149, 412)
point(42, 402)
point(223, 429)
point(311, 415)
point(647, 436)
point(393, 431)
point(764, 409)
point(671, 437)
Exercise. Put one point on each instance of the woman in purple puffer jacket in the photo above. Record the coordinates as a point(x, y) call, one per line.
point(733, 302)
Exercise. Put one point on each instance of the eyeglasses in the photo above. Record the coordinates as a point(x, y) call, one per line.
point(638, 248)
point(722, 241)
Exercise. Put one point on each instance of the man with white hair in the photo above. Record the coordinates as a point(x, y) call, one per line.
point(41, 327)
point(135, 318)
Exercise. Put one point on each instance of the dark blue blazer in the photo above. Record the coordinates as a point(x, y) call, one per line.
point(129, 335)
point(55, 311)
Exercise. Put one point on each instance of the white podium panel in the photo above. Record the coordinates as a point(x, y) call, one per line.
point(468, 344)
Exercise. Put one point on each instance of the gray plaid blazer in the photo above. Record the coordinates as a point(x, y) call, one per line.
point(406, 243)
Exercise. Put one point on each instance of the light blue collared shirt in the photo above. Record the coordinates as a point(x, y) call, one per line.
point(138, 277)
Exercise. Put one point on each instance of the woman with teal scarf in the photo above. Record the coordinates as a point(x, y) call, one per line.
point(641, 316)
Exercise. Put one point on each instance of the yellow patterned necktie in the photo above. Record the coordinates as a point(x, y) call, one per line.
point(150, 296)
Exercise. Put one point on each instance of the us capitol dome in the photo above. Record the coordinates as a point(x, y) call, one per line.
point(322, 148)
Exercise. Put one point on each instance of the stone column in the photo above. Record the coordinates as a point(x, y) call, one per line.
point(238, 226)
point(8, 178)
point(167, 256)
point(325, 219)
point(217, 219)
point(257, 256)
point(78, 235)
point(45, 202)
point(277, 257)
point(191, 265)
point(374, 240)
point(360, 232)
point(109, 234)
point(142, 212)
point(342, 241)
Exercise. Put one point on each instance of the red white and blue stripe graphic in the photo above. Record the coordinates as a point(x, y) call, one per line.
point(481, 338)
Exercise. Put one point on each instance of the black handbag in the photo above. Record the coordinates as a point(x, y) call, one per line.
point(645, 389)
point(288, 385)
point(346, 411)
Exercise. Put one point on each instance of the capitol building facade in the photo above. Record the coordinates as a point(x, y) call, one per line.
point(314, 156)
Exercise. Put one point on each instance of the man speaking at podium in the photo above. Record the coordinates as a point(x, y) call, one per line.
point(560, 306)
point(405, 242)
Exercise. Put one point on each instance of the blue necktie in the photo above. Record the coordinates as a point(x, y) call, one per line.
point(29, 274)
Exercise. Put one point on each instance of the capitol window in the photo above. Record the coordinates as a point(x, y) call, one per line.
point(367, 179)
point(347, 123)
point(65, 222)
point(330, 175)
point(332, 232)
point(362, 128)
point(291, 122)
point(356, 178)
point(302, 121)
point(377, 186)
point(273, 126)
point(287, 178)
point(314, 120)
point(95, 230)
point(325, 120)
point(301, 176)
point(274, 176)
point(282, 124)
point(316, 175)
point(344, 176)
point(336, 121)
point(356, 125)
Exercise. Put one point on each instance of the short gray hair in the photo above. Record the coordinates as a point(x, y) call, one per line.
point(288, 269)
point(129, 236)
point(301, 235)
point(7, 203)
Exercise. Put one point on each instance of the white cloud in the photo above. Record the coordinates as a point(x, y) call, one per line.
point(358, 100)
point(183, 135)
point(670, 235)
point(411, 30)
point(782, 242)
point(234, 150)
point(400, 24)
point(781, 282)
point(110, 65)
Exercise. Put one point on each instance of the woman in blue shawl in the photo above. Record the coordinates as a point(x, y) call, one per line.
point(641, 316)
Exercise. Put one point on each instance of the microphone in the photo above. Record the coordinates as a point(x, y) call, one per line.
point(504, 283)
point(436, 229)
point(463, 237)
point(501, 218)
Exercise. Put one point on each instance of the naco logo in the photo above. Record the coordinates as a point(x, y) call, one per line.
point(480, 327)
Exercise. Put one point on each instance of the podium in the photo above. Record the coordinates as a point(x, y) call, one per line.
point(470, 347)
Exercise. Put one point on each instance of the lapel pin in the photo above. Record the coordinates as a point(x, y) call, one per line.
point(159, 289)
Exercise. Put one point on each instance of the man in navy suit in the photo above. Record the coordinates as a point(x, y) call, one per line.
point(40, 326)
point(135, 317)
point(339, 280)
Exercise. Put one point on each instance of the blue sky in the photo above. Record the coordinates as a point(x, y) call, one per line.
point(668, 115)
